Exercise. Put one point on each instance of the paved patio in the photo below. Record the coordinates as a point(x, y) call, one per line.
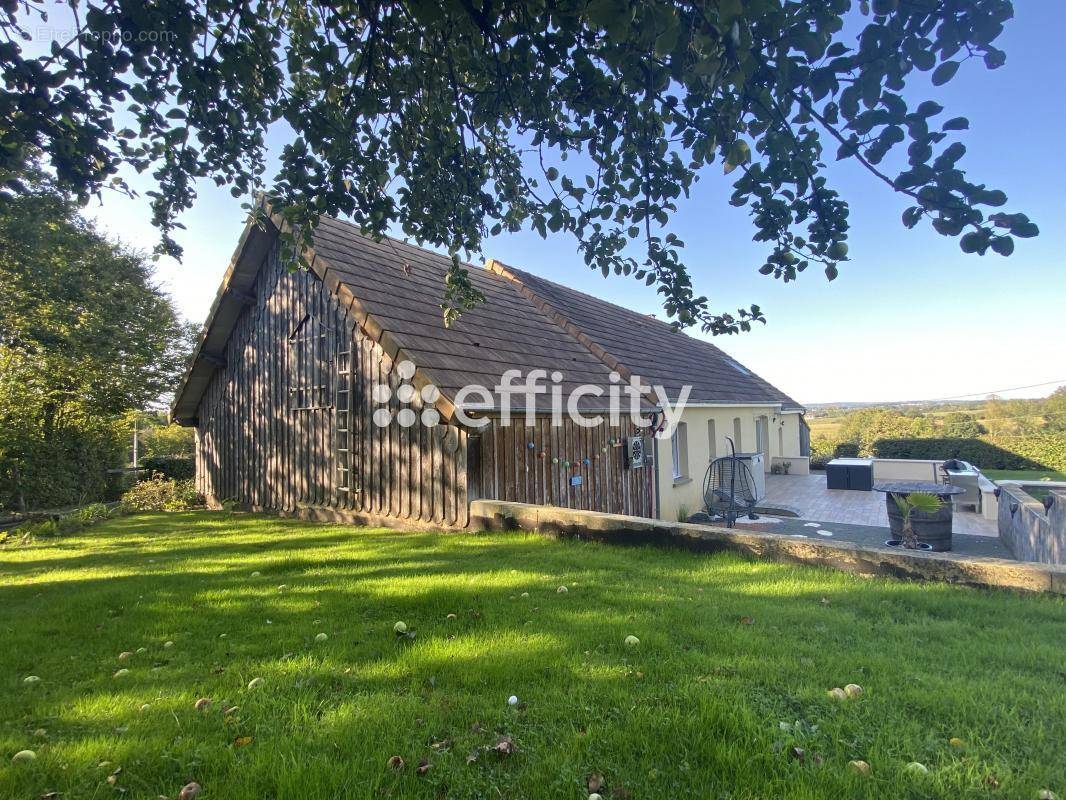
point(807, 495)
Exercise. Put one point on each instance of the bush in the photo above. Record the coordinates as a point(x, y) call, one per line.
point(67, 468)
point(63, 524)
point(162, 494)
point(982, 454)
point(177, 468)
point(846, 450)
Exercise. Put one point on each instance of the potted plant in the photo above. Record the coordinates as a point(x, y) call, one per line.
point(907, 504)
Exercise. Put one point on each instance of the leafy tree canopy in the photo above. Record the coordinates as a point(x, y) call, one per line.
point(85, 337)
point(451, 119)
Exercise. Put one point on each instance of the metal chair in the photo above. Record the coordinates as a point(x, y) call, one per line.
point(729, 488)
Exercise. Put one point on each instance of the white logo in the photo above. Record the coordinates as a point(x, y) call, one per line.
point(405, 393)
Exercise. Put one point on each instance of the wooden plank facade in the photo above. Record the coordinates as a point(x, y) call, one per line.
point(286, 424)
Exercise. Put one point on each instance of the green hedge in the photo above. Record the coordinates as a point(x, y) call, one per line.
point(69, 468)
point(175, 468)
point(846, 450)
point(1045, 451)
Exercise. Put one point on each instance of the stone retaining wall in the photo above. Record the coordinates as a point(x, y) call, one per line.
point(1031, 532)
point(882, 561)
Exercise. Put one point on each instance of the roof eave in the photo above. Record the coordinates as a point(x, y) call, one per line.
point(234, 294)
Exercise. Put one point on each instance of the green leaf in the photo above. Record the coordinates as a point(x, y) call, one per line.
point(945, 72)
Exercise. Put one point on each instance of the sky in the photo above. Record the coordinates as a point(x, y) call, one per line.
point(911, 317)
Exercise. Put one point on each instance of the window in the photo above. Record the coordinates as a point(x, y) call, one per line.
point(738, 440)
point(679, 451)
point(712, 440)
point(310, 365)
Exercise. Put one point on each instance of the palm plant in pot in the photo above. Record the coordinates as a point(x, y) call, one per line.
point(907, 505)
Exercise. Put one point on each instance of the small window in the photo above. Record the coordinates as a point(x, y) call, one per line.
point(310, 365)
point(738, 439)
point(712, 440)
point(679, 451)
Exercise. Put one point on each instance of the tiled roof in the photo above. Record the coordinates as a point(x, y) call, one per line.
point(525, 323)
point(402, 287)
point(651, 348)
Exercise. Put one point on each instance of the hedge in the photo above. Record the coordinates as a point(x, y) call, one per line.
point(176, 468)
point(1046, 451)
point(69, 468)
point(846, 450)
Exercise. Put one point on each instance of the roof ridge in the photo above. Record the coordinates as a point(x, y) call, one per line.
point(546, 308)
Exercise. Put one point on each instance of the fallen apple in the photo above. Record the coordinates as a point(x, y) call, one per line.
point(631, 641)
point(836, 693)
point(124, 655)
point(853, 690)
point(512, 700)
point(562, 590)
point(23, 757)
point(917, 768)
point(31, 679)
point(202, 704)
point(167, 645)
point(400, 627)
point(321, 637)
point(256, 574)
point(860, 767)
point(122, 673)
point(255, 683)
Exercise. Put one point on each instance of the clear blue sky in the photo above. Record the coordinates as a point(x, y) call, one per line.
point(910, 317)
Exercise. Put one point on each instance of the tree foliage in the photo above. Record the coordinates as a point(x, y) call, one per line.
point(452, 119)
point(85, 336)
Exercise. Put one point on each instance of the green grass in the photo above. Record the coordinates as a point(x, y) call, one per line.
point(705, 707)
point(1023, 475)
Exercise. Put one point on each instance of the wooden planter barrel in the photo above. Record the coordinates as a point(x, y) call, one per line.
point(934, 529)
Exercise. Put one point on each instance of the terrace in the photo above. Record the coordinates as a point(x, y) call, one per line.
point(856, 516)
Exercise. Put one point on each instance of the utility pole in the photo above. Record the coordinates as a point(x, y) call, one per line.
point(135, 453)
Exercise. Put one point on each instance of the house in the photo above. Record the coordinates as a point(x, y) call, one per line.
point(338, 393)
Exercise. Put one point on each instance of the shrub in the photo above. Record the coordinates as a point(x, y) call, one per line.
point(162, 494)
point(178, 468)
point(63, 524)
point(67, 468)
point(846, 450)
point(1034, 453)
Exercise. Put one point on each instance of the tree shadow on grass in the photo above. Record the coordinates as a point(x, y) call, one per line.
point(364, 693)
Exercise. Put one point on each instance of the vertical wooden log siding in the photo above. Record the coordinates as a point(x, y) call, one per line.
point(512, 470)
point(251, 447)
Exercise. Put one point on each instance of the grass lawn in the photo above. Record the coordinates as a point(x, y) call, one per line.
point(1023, 475)
point(730, 674)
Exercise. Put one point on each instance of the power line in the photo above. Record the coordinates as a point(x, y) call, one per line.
point(985, 394)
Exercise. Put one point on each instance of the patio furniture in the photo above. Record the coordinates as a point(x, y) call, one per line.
point(934, 529)
point(966, 477)
point(729, 489)
point(850, 473)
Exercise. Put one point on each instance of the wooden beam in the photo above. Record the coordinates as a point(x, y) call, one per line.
point(245, 297)
point(214, 360)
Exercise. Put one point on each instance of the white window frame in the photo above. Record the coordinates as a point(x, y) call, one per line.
point(679, 451)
